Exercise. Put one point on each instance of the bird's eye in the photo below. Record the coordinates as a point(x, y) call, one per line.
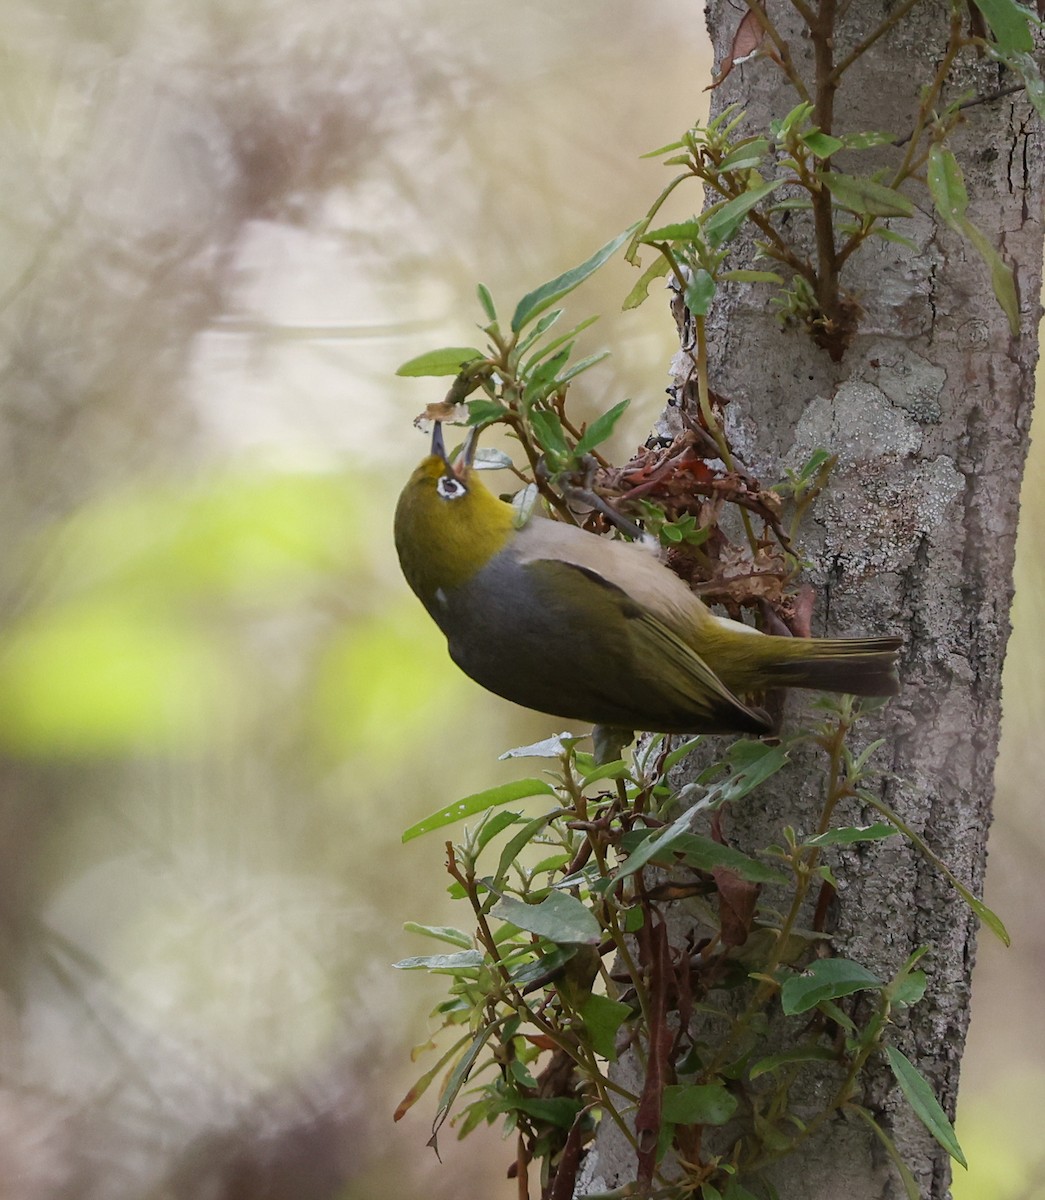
point(450, 487)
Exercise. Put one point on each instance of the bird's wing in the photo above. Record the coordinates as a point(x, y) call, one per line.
point(679, 691)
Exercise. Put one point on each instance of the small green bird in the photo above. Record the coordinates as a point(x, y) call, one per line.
point(592, 629)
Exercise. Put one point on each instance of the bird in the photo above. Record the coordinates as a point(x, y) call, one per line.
point(596, 629)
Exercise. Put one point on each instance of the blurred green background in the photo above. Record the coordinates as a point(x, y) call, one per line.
point(225, 224)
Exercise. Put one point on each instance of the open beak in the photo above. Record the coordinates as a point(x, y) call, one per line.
point(464, 458)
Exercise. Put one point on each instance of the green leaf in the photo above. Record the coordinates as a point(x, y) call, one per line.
point(491, 827)
point(745, 155)
point(1002, 279)
point(482, 412)
point(585, 364)
point(504, 793)
point(699, 292)
point(866, 141)
point(550, 435)
point(986, 915)
point(920, 1096)
point(602, 1018)
point(657, 270)
point(442, 933)
point(947, 186)
point(679, 231)
point(460, 1073)
point(825, 979)
point(752, 763)
point(535, 302)
point(559, 917)
point(851, 834)
point(601, 428)
point(543, 379)
point(463, 963)
point(1027, 69)
point(911, 1188)
point(1009, 24)
point(786, 1058)
point(618, 769)
point(910, 989)
point(864, 196)
point(698, 1104)
point(558, 1110)
point(514, 847)
point(721, 223)
point(705, 854)
point(671, 146)
point(447, 361)
point(823, 145)
point(747, 276)
point(486, 300)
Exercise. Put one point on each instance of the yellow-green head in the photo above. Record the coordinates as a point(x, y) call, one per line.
point(448, 525)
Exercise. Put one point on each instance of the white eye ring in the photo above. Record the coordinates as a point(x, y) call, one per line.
point(450, 487)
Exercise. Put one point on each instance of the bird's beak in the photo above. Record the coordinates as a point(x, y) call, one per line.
point(438, 445)
point(466, 455)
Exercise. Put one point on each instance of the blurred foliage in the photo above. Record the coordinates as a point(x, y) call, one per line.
point(223, 225)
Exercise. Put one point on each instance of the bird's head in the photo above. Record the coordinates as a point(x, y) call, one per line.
point(448, 525)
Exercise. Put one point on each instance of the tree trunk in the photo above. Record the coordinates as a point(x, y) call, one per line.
point(928, 412)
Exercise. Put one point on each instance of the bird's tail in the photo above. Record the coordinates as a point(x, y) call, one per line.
point(860, 666)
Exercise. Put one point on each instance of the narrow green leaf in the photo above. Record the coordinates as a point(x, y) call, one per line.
point(493, 825)
point(1027, 69)
point(850, 834)
point(986, 915)
point(559, 917)
point(464, 963)
point(504, 793)
point(699, 293)
point(442, 933)
point(823, 145)
point(798, 1055)
point(745, 155)
point(585, 364)
point(602, 1018)
point(864, 196)
point(486, 300)
point(549, 432)
point(747, 276)
point(459, 1074)
point(698, 1104)
point(825, 979)
point(535, 302)
point(601, 428)
point(705, 854)
point(947, 186)
point(1002, 280)
point(911, 1188)
point(671, 146)
point(514, 847)
point(482, 412)
point(447, 361)
point(618, 769)
point(543, 378)
point(558, 1110)
point(679, 231)
point(1009, 24)
point(865, 141)
point(657, 270)
point(422, 1084)
point(721, 223)
point(680, 752)
point(920, 1096)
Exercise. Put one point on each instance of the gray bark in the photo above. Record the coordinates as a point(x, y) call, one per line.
point(928, 412)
